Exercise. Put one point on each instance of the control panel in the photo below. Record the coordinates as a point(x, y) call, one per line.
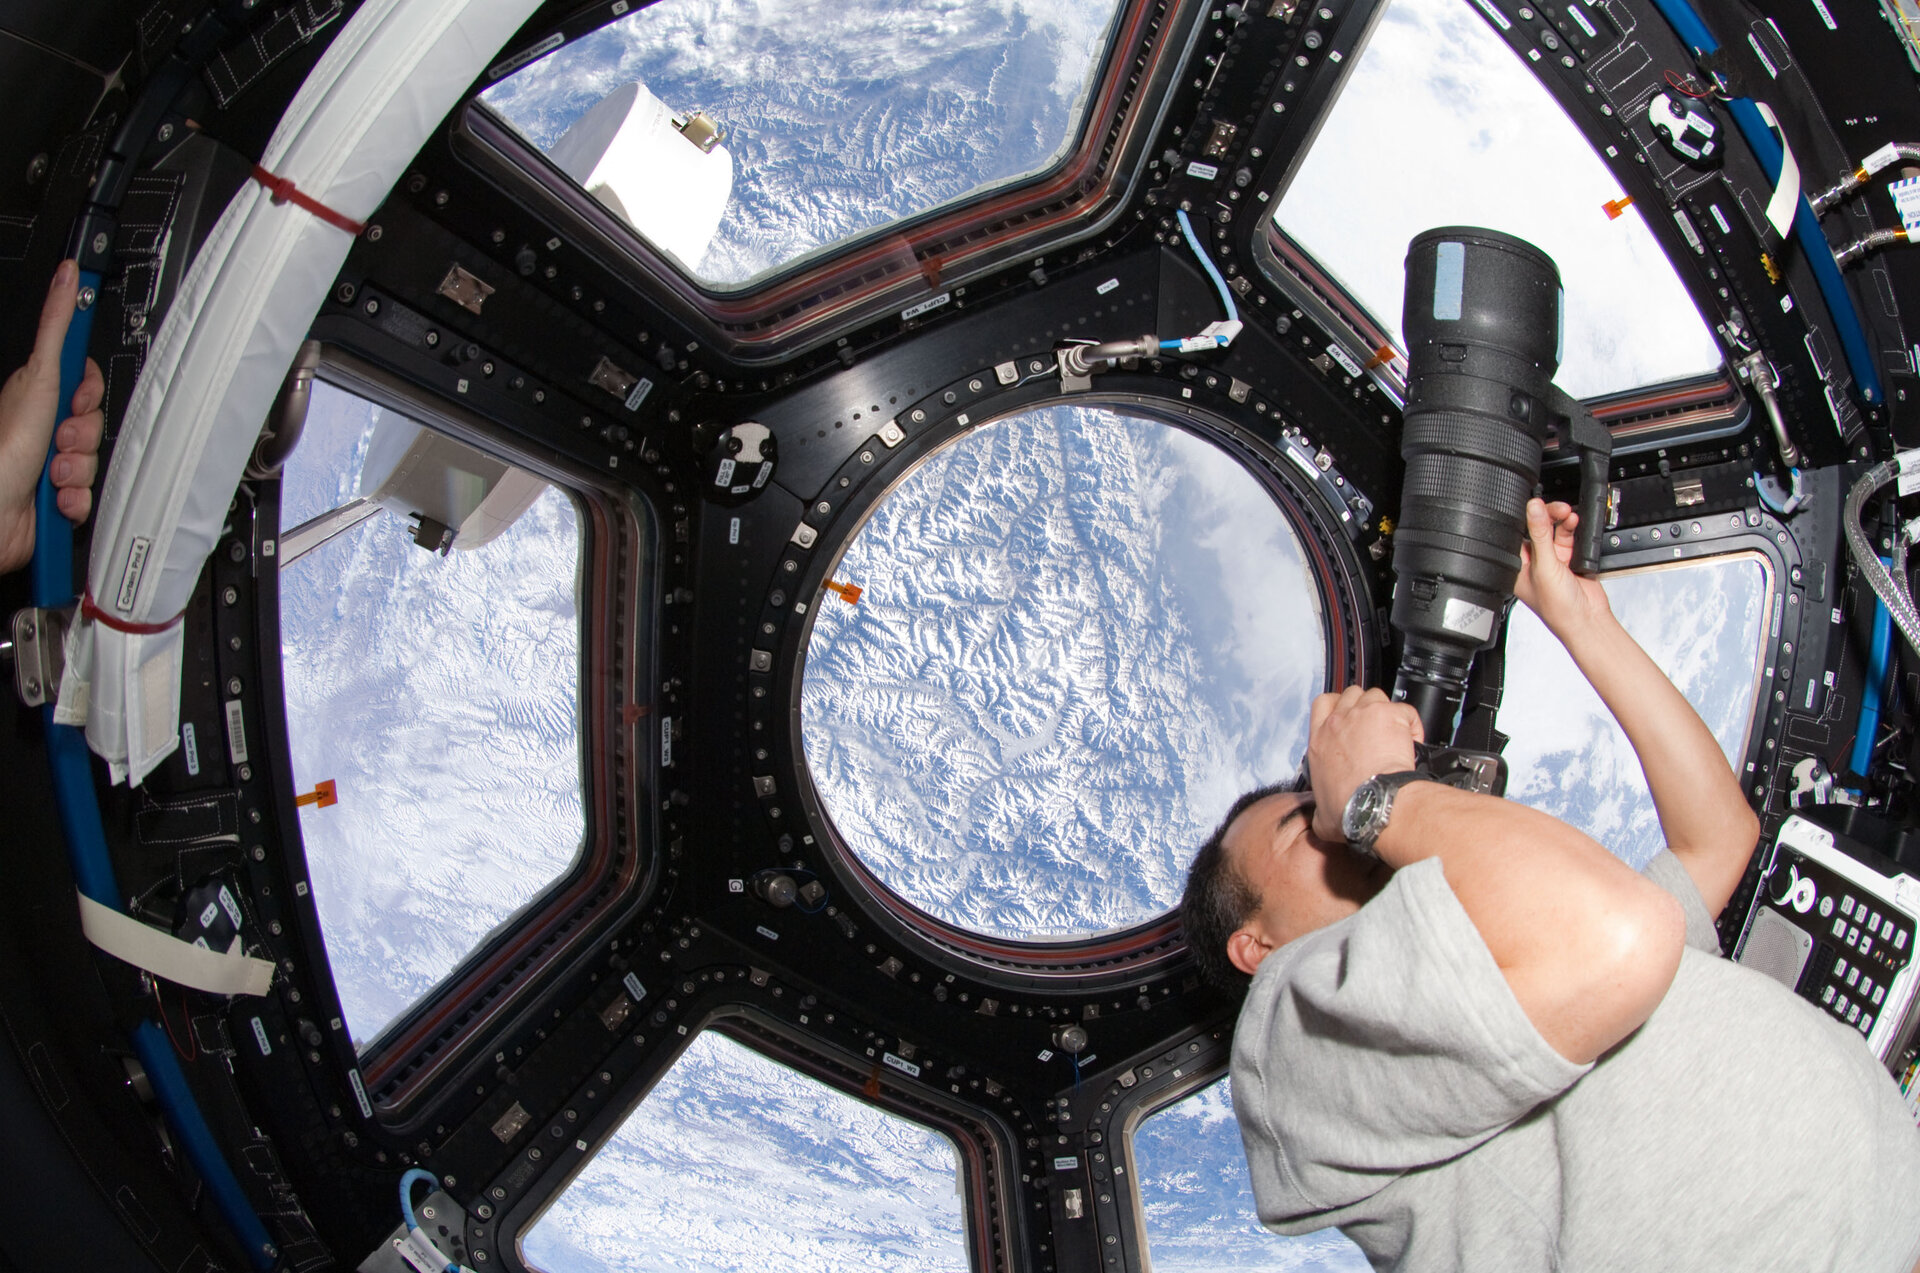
point(1837, 931)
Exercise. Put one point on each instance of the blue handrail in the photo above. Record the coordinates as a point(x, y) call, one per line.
point(51, 581)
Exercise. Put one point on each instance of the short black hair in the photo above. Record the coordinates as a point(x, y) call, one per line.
point(1219, 900)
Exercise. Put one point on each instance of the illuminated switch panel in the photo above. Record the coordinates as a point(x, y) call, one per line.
point(1836, 931)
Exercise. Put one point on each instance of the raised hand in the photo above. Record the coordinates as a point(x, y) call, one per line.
point(1354, 735)
point(1565, 602)
point(29, 403)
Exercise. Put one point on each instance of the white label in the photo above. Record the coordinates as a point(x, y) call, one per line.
point(1344, 358)
point(190, 744)
point(1753, 41)
point(634, 988)
point(1687, 231)
point(639, 394)
point(1206, 172)
point(228, 904)
point(905, 1067)
point(1826, 16)
point(1906, 198)
point(1880, 159)
point(236, 733)
point(360, 1093)
point(1335, 56)
point(130, 577)
point(766, 932)
point(925, 307)
point(1106, 287)
point(1909, 471)
point(1066, 1162)
point(210, 914)
point(666, 741)
point(725, 475)
point(525, 56)
point(760, 478)
point(733, 531)
point(266, 548)
point(1046, 1054)
point(1719, 218)
point(1467, 619)
point(1494, 15)
point(1580, 20)
point(260, 1037)
point(736, 886)
point(1786, 304)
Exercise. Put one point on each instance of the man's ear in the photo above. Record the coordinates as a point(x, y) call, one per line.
point(1246, 948)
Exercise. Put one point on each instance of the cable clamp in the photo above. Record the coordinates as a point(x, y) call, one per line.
point(282, 190)
point(39, 654)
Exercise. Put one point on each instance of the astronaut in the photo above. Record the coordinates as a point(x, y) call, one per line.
point(1472, 1038)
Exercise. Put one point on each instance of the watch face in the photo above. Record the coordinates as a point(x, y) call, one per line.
point(1361, 810)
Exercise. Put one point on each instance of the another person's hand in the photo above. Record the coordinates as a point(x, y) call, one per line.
point(1355, 735)
point(29, 403)
point(1565, 602)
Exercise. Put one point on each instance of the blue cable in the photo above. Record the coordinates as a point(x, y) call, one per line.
point(51, 580)
point(1806, 226)
point(1870, 697)
point(413, 1177)
point(1206, 263)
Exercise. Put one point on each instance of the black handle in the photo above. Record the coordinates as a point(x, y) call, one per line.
point(1593, 512)
point(1591, 441)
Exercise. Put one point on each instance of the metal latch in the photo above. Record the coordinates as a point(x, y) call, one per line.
point(39, 654)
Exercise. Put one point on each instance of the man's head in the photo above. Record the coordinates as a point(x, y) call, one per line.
point(1263, 879)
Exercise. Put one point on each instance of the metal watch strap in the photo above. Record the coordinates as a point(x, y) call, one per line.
point(1388, 786)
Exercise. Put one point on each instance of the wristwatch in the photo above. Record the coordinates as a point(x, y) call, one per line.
point(1371, 804)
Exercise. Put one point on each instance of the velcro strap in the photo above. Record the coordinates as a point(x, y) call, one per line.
point(163, 955)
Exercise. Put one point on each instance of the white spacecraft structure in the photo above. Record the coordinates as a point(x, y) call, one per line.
point(668, 176)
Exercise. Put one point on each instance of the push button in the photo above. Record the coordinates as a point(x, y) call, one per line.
point(1826, 995)
point(1879, 993)
point(1846, 905)
point(1840, 966)
point(1853, 976)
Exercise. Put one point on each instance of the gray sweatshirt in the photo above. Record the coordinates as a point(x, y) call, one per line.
point(1387, 1082)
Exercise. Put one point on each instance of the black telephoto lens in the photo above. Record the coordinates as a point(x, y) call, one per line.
point(1482, 324)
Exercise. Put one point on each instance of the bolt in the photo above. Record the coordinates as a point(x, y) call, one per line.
point(166, 132)
point(372, 306)
point(36, 168)
point(433, 338)
point(230, 596)
point(344, 293)
point(233, 685)
point(259, 853)
point(373, 233)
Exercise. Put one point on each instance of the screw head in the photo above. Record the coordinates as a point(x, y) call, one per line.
point(373, 233)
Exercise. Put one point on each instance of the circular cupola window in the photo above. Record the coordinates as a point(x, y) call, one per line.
point(1080, 634)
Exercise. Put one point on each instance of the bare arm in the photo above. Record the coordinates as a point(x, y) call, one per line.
point(1587, 945)
point(1708, 824)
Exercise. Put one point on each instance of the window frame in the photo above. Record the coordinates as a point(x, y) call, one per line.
point(1127, 954)
point(983, 1144)
point(883, 269)
point(1641, 417)
point(491, 987)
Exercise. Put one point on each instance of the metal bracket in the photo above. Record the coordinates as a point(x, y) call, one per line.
point(39, 654)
